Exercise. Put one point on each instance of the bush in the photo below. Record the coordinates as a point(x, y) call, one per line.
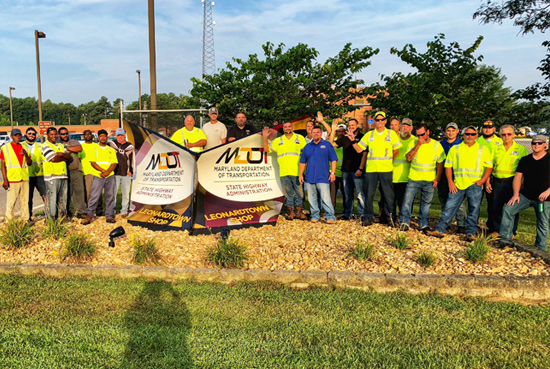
point(425, 258)
point(228, 253)
point(144, 250)
point(16, 233)
point(362, 250)
point(477, 251)
point(78, 246)
point(400, 240)
point(55, 229)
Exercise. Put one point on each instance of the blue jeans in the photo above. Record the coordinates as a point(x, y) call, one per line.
point(351, 182)
point(125, 182)
point(427, 194)
point(474, 194)
point(56, 204)
point(319, 192)
point(509, 213)
point(294, 193)
point(386, 186)
point(443, 195)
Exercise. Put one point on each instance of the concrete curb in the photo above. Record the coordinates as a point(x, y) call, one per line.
point(535, 289)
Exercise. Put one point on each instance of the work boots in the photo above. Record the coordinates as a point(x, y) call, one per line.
point(299, 214)
point(290, 215)
point(88, 220)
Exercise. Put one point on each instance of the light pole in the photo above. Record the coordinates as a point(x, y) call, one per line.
point(152, 61)
point(139, 99)
point(38, 35)
point(11, 107)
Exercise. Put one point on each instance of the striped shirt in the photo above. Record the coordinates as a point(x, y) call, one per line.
point(48, 155)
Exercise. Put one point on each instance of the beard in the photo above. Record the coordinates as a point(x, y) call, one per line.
point(404, 134)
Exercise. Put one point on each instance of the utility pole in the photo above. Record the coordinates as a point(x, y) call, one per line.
point(38, 35)
point(11, 107)
point(152, 60)
point(139, 87)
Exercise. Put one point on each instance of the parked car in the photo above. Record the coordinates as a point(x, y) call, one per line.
point(4, 139)
point(80, 137)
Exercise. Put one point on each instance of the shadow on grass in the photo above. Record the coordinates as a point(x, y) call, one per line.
point(158, 325)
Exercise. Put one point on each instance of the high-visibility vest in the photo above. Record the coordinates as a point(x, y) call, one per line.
point(35, 151)
point(492, 145)
point(288, 153)
point(55, 169)
point(340, 154)
point(506, 161)
point(381, 146)
point(16, 172)
point(401, 165)
point(468, 163)
point(104, 157)
point(89, 150)
point(182, 136)
point(424, 164)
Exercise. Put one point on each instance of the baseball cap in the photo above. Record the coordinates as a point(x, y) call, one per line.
point(213, 110)
point(120, 131)
point(342, 126)
point(541, 138)
point(488, 124)
point(15, 131)
point(379, 113)
point(470, 127)
point(453, 125)
point(407, 121)
point(51, 129)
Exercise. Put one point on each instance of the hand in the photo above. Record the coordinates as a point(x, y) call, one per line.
point(488, 187)
point(479, 183)
point(358, 173)
point(513, 200)
point(544, 196)
point(434, 183)
point(129, 174)
point(104, 174)
point(189, 145)
point(320, 117)
point(452, 187)
point(334, 125)
point(332, 177)
point(24, 153)
point(6, 185)
point(301, 179)
point(266, 131)
point(350, 135)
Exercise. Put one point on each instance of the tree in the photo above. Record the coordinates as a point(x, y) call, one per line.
point(285, 84)
point(529, 15)
point(447, 85)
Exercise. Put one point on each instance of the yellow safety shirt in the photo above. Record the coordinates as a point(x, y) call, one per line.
point(14, 171)
point(35, 151)
point(506, 161)
point(182, 136)
point(493, 144)
point(88, 151)
point(380, 146)
point(468, 163)
point(104, 157)
point(424, 164)
point(288, 153)
point(51, 169)
point(401, 165)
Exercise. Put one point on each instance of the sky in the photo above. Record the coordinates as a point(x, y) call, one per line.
point(94, 47)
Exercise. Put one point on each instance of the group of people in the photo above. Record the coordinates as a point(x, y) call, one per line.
point(401, 164)
point(70, 177)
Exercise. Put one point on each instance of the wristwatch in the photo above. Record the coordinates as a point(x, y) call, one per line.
point(332, 173)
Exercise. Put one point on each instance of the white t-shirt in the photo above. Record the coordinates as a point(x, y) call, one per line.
point(324, 136)
point(214, 133)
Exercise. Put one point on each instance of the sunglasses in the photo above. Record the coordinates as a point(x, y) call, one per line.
point(470, 134)
point(507, 134)
point(488, 126)
point(380, 120)
point(64, 134)
point(31, 134)
point(537, 143)
point(421, 134)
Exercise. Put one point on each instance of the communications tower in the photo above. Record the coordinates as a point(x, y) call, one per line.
point(208, 54)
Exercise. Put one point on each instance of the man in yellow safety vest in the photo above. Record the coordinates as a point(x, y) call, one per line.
point(288, 148)
point(15, 162)
point(383, 146)
point(506, 159)
point(190, 136)
point(471, 164)
point(103, 163)
point(55, 175)
point(36, 169)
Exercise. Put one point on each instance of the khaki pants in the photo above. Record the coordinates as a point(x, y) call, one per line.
point(18, 190)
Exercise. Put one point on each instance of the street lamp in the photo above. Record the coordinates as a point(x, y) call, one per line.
point(38, 35)
point(11, 107)
point(139, 99)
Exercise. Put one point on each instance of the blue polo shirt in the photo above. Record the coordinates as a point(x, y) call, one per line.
point(447, 146)
point(318, 158)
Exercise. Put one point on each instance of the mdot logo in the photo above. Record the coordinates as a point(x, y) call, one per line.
point(165, 160)
point(244, 155)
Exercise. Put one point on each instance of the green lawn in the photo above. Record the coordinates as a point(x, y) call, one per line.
point(117, 323)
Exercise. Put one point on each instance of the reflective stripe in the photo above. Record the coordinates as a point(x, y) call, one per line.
point(380, 158)
point(288, 153)
point(427, 170)
point(464, 175)
point(103, 162)
point(400, 161)
point(396, 144)
point(423, 165)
